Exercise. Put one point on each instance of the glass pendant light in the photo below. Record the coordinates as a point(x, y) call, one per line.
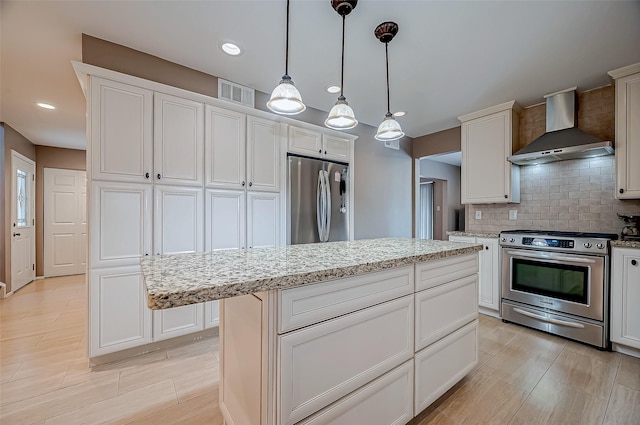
point(285, 98)
point(389, 129)
point(341, 116)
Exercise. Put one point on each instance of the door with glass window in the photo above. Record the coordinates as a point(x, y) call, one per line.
point(23, 246)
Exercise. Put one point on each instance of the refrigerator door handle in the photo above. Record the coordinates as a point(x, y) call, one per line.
point(327, 205)
point(320, 211)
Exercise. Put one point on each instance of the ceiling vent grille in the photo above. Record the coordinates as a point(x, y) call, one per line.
point(393, 145)
point(236, 93)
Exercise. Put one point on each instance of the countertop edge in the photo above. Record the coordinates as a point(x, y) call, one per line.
point(625, 244)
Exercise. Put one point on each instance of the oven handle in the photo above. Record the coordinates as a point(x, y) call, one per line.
point(549, 257)
point(549, 320)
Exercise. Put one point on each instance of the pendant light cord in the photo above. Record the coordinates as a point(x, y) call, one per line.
point(342, 70)
point(386, 52)
point(286, 60)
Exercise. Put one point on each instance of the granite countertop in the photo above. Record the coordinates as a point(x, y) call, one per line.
point(473, 234)
point(182, 279)
point(626, 244)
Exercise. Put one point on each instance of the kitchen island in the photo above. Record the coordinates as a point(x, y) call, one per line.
point(368, 331)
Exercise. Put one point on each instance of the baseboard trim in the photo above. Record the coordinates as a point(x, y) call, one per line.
point(154, 346)
point(629, 351)
point(39, 277)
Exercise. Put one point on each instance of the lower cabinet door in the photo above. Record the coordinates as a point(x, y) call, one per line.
point(119, 317)
point(441, 365)
point(211, 314)
point(177, 321)
point(386, 401)
point(320, 364)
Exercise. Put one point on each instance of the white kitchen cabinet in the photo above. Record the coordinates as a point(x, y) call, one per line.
point(225, 148)
point(263, 219)
point(625, 294)
point(627, 82)
point(121, 128)
point(489, 273)
point(120, 223)
point(178, 140)
point(178, 228)
point(263, 154)
point(318, 145)
point(211, 314)
point(225, 222)
point(118, 317)
point(488, 137)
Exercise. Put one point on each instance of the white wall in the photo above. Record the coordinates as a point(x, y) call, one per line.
point(451, 173)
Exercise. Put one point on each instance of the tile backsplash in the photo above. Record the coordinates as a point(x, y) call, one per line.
point(574, 195)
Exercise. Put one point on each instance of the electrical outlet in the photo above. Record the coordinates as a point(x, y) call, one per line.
point(478, 215)
point(513, 214)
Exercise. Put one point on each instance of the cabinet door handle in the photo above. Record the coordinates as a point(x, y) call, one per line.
point(250, 184)
point(621, 190)
point(506, 196)
point(159, 176)
point(146, 176)
point(486, 247)
point(242, 184)
point(320, 151)
point(325, 152)
point(634, 263)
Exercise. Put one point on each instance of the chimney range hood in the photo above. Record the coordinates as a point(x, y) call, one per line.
point(563, 140)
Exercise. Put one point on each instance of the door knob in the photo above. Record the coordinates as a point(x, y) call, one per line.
point(18, 234)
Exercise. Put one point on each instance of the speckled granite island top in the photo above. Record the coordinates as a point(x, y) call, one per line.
point(181, 279)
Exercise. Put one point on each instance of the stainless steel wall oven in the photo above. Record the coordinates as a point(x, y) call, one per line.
point(557, 282)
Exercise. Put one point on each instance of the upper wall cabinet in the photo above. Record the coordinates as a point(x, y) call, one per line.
point(315, 144)
point(627, 131)
point(241, 151)
point(178, 141)
point(121, 131)
point(488, 137)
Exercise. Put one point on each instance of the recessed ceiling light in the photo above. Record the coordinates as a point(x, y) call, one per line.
point(333, 89)
point(231, 48)
point(45, 105)
point(400, 114)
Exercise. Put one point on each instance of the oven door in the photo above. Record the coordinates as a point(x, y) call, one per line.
point(568, 283)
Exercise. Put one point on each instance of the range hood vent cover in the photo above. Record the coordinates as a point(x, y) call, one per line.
point(563, 140)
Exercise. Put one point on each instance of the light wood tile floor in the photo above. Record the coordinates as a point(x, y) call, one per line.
point(524, 376)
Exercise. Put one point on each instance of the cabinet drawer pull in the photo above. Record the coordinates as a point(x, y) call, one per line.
point(506, 196)
point(159, 176)
point(486, 247)
point(146, 176)
point(634, 263)
point(621, 190)
point(242, 184)
point(250, 184)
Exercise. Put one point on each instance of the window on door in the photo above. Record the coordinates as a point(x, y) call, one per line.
point(22, 199)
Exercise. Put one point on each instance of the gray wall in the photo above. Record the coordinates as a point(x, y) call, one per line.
point(451, 173)
point(383, 179)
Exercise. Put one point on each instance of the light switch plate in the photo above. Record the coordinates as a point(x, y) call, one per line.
point(478, 215)
point(513, 214)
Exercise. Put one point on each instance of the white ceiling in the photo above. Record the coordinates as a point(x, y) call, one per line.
point(449, 57)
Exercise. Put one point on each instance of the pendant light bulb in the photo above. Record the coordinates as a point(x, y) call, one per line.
point(341, 116)
point(285, 98)
point(389, 129)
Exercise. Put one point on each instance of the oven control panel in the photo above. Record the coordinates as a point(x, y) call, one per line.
point(544, 242)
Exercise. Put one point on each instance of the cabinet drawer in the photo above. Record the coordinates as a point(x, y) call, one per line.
point(310, 304)
point(322, 363)
point(445, 308)
point(434, 273)
point(441, 365)
point(386, 401)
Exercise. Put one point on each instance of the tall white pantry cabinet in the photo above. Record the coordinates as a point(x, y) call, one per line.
point(166, 177)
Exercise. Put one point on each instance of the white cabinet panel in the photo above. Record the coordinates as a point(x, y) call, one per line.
point(263, 219)
point(625, 295)
point(434, 273)
point(441, 365)
point(489, 290)
point(211, 314)
point(179, 221)
point(335, 148)
point(121, 224)
point(386, 401)
point(225, 219)
point(177, 321)
point(310, 304)
point(355, 348)
point(225, 140)
point(119, 318)
point(445, 308)
point(305, 142)
point(628, 136)
point(121, 131)
point(178, 140)
point(263, 154)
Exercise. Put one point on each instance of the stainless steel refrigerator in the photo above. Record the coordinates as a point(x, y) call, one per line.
point(317, 200)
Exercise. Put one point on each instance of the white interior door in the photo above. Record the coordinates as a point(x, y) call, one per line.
point(65, 222)
point(23, 242)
